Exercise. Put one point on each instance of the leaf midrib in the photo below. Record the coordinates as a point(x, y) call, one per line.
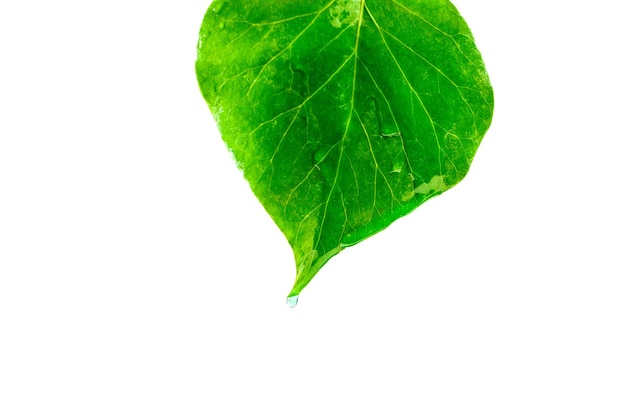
point(355, 54)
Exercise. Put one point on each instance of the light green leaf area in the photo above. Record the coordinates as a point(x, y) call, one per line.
point(343, 115)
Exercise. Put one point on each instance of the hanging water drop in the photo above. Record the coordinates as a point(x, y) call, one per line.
point(292, 301)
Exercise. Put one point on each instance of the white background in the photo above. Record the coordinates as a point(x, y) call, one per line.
point(139, 276)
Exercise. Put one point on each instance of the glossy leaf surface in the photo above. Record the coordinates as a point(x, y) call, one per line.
point(344, 115)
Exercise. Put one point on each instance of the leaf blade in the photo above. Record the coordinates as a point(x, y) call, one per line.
point(343, 115)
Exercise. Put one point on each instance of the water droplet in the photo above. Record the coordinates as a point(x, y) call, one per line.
point(218, 7)
point(397, 167)
point(318, 155)
point(390, 135)
point(292, 301)
point(221, 25)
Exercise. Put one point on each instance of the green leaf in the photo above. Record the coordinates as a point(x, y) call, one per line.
point(343, 115)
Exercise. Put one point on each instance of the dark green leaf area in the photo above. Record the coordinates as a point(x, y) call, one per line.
point(344, 115)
